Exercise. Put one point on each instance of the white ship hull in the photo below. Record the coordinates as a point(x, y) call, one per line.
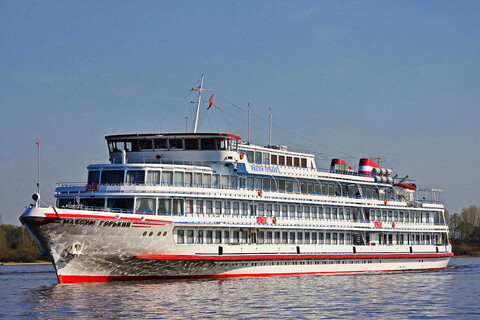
point(87, 246)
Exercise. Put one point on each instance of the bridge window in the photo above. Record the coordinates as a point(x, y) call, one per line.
point(112, 176)
point(207, 144)
point(93, 177)
point(160, 144)
point(191, 144)
point(221, 144)
point(281, 160)
point(176, 144)
point(296, 162)
point(289, 161)
point(145, 144)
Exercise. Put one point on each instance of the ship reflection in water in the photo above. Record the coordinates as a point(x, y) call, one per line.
point(443, 293)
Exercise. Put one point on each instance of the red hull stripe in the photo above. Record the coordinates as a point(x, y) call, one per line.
point(88, 216)
point(149, 224)
point(79, 279)
point(290, 257)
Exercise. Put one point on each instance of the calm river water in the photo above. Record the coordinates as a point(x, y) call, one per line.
point(32, 292)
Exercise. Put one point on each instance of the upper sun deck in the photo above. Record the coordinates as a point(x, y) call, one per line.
point(171, 147)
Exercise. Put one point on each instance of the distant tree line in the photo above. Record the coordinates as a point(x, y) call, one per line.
point(465, 231)
point(17, 245)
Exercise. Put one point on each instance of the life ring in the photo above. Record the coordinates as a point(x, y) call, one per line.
point(393, 224)
point(242, 155)
point(274, 220)
point(385, 201)
point(260, 192)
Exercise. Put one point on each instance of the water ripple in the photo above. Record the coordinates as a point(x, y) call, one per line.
point(451, 293)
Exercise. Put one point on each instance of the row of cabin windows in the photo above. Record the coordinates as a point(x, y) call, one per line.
point(268, 158)
point(242, 236)
point(173, 144)
point(411, 239)
point(191, 179)
point(169, 206)
point(407, 216)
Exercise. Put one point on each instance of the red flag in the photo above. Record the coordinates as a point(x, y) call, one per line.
point(37, 143)
point(210, 101)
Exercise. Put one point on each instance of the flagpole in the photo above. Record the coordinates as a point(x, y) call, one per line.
point(198, 104)
point(38, 164)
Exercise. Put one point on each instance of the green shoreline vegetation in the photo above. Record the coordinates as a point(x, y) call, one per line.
point(18, 245)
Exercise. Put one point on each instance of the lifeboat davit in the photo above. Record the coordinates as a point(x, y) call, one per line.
point(405, 189)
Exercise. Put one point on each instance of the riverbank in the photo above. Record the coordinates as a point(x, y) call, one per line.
point(23, 263)
point(466, 249)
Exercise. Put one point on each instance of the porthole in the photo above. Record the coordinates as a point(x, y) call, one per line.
point(159, 233)
point(165, 233)
point(150, 234)
point(145, 233)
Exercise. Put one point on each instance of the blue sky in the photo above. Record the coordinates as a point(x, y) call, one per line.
point(396, 79)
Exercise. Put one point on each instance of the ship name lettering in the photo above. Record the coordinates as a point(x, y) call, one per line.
point(114, 224)
point(80, 222)
point(264, 169)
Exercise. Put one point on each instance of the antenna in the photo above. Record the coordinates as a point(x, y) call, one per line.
point(186, 124)
point(249, 123)
point(270, 131)
point(377, 160)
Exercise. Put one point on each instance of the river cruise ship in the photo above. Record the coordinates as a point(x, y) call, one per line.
point(193, 205)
